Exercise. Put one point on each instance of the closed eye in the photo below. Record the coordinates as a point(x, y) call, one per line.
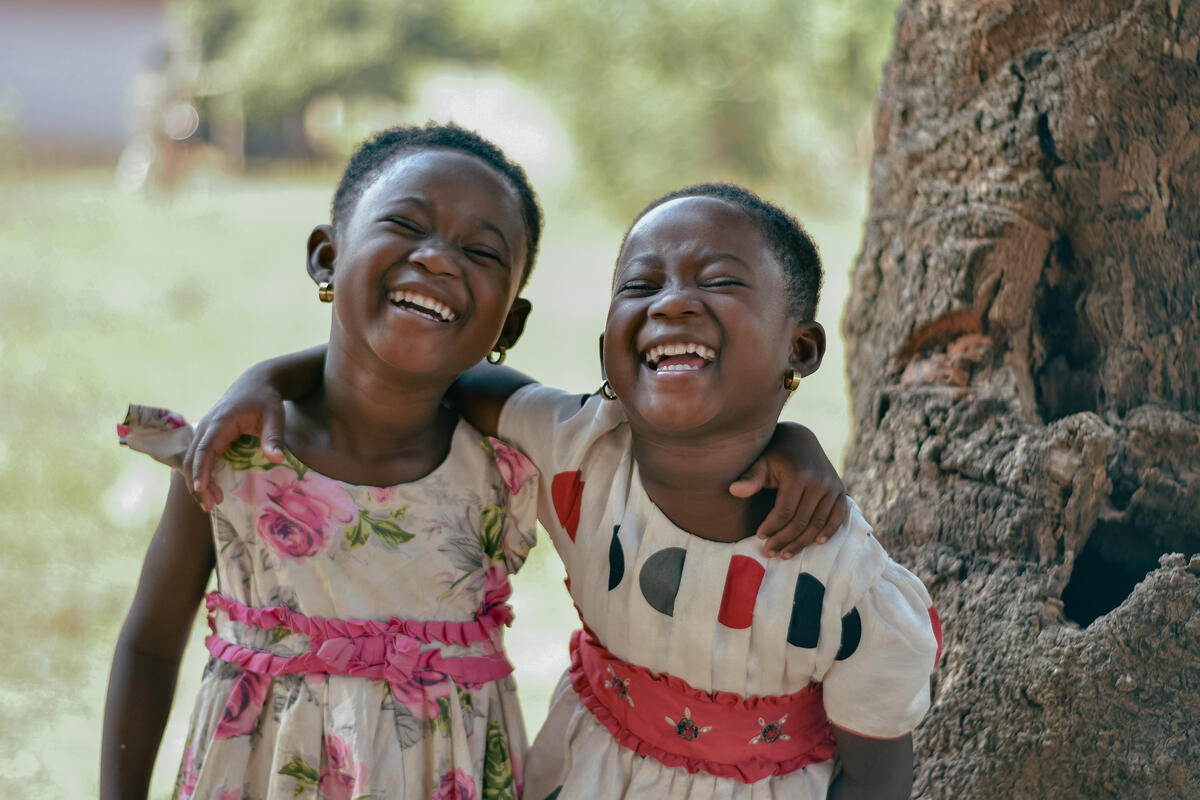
point(485, 253)
point(406, 224)
point(720, 283)
point(637, 287)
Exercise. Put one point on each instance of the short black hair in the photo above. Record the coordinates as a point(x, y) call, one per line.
point(374, 155)
point(793, 247)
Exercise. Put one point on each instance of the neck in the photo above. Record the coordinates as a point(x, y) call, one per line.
point(369, 425)
point(688, 479)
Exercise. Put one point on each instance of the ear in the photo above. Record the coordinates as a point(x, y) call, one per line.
point(808, 347)
point(514, 324)
point(322, 252)
point(603, 374)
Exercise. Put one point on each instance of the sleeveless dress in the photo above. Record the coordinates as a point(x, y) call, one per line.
point(704, 668)
point(356, 637)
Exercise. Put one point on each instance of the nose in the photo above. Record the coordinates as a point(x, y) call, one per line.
point(675, 301)
point(436, 258)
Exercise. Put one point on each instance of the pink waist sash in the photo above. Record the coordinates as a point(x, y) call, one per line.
point(721, 733)
point(384, 651)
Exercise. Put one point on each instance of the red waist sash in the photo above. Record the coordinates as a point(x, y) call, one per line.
point(721, 733)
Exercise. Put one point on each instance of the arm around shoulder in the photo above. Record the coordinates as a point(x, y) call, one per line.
point(252, 406)
point(480, 393)
point(145, 666)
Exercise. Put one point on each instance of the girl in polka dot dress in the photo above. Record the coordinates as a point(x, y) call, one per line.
point(704, 669)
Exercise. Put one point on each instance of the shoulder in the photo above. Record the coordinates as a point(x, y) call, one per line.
point(557, 428)
point(494, 455)
point(545, 403)
point(850, 561)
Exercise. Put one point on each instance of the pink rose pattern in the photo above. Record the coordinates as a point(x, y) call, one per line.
point(244, 706)
point(420, 693)
point(456, 785)
point(342, 778)
point(514, 467)
point(296, 517)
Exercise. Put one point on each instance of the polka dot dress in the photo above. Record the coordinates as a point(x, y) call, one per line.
point(717, 615)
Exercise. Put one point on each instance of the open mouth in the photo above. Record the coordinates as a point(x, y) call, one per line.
point(679, 357)
point(422, 305)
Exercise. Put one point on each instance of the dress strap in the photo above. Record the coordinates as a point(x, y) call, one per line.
point(721, 733)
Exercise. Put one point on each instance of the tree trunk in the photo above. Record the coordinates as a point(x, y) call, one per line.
point(1023, 338)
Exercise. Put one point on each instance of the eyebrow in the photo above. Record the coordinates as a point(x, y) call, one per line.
point(707, 256)
point(481, 222)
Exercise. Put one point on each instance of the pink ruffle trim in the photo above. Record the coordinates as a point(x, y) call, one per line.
point(807, 726)
point(480, 629)
point(388, 651)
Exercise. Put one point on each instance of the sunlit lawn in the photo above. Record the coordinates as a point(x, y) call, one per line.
point(109, 298)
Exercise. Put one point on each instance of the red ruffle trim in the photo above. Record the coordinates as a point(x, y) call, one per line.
point(747, 770)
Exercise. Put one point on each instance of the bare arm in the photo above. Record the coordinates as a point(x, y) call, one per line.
point(480, 393)
point(872, 769)
point(146, 663)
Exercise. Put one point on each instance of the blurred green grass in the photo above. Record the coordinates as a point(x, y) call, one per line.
point(163, 299)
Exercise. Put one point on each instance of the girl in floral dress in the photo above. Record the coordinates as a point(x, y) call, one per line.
point(361, 584)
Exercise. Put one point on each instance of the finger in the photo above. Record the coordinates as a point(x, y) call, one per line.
point(781, 515)
point(215, 440)
point(272, 435)
point(199, 475)
point(829, 521)
point(791, 540)
point(189, 457)
point(798, 533)
point(752, 481)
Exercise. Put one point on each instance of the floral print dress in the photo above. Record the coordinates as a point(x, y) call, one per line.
point(357, 630)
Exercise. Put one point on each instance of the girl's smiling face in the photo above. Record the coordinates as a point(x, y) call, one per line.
point(699, 334)
point(427, 267)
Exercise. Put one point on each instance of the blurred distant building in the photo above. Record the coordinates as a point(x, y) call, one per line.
point(68, 71)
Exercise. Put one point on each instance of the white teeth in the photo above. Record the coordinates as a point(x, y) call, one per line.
point(423, 301)
point(660, 351)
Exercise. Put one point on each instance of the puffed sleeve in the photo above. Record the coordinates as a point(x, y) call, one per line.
point(559, 432)
point(161, 434)
point(520, 478)
point(878, 686)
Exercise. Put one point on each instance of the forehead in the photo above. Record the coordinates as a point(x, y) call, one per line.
point(446, 178)
point(696, 225)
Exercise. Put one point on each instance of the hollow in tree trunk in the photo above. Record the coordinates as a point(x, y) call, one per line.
point(1024, 359)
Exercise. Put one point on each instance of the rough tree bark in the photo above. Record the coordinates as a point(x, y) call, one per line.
point(1023, 341)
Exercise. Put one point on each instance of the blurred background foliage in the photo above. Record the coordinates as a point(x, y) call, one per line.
point(773, 93)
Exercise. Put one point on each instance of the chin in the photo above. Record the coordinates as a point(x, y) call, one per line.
point(671, 417)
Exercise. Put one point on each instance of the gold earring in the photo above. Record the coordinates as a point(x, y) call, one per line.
point(606, 391)
point(499, 359)
point(791, 381)
point(325, 292)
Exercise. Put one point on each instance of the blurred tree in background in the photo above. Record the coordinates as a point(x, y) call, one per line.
point(774, 93)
